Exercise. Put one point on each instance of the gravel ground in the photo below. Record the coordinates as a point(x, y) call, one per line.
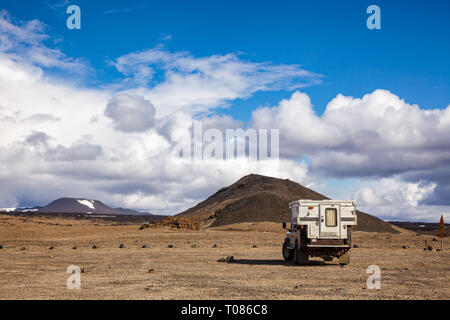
point(179, 264)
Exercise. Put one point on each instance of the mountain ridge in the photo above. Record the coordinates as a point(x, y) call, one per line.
point(76, 205)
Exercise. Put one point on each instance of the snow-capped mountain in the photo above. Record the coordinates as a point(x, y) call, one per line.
point(77, 205)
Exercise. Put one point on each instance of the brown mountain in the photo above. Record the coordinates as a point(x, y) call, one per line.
point(257, 198)
point(81, 205)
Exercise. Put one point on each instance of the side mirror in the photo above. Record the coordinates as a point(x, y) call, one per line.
point(284, 225)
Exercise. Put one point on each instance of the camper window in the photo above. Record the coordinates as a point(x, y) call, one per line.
point(331, 217)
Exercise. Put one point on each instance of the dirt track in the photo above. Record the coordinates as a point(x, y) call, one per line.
point(190, 269)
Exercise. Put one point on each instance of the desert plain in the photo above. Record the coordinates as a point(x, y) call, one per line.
point(166, 263)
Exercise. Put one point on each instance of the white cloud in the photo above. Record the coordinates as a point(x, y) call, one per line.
point(130, 113)
point(26, 42)
point(201, 84)
point(356, 131)
point(394, 199)
point(378, 135)
point(57, 139)
point(115, 144)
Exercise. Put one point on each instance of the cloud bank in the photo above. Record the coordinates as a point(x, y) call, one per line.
point(114, 143)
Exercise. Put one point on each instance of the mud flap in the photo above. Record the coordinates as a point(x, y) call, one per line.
point(300, 257)
point(345, 258)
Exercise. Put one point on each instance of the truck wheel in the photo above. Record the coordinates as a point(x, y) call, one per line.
point(300, 257)
point(345, 258)
point(287, 253)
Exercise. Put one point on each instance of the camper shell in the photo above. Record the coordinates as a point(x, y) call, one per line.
point(320, 228)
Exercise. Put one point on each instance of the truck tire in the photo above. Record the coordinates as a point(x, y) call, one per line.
point(345, 258)
point(287, 253)
point(300, 257)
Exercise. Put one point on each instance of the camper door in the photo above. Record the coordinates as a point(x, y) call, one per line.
point(330, 220)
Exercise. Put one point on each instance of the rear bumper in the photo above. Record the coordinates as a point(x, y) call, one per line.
point(328, 243)
point(327, 246)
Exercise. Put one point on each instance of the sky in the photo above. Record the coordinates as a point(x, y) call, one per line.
point(362, 113)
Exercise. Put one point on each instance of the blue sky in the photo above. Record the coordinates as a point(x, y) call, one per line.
point(408, 56)
point(103, 105)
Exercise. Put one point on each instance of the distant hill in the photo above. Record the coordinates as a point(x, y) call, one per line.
point(257, 198)
point(81, 205)
point(431, 228)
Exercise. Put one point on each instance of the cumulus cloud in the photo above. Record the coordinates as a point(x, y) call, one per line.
point(41, 117)
point(130, 113)
point(395, 199)
point(376, 136)
point(76, 152)
point(201, 84)
point(61, 140)
point(25, 41)
point(37, 139)
point(115, 143)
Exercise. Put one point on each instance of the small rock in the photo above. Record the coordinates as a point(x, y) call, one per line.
point(194, 246)
point(74, 247)
point(151, 270)
point(405, 247)
point(23, 248)
point(121, 246)
point(148, 288)
point(170, 246)
point(355, 246)
point(430, 248)
point(1, 246)
point(254, 246)
point(51, 247)
point(228, 259)
point(214, 245)
point(94, 247)
point(51, 257)
point(144, 246)
point(434, 239)
point(405, 269)
point(83, 270)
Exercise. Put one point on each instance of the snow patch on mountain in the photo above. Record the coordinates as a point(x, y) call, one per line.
point(87, 203)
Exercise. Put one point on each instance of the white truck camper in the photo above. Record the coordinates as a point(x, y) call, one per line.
point(320, 228)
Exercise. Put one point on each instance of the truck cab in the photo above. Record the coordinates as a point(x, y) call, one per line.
point(320, 228)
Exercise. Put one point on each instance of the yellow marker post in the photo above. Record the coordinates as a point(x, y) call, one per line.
point(441, 233)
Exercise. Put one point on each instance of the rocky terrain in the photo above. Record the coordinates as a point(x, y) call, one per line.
point(122, 262)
